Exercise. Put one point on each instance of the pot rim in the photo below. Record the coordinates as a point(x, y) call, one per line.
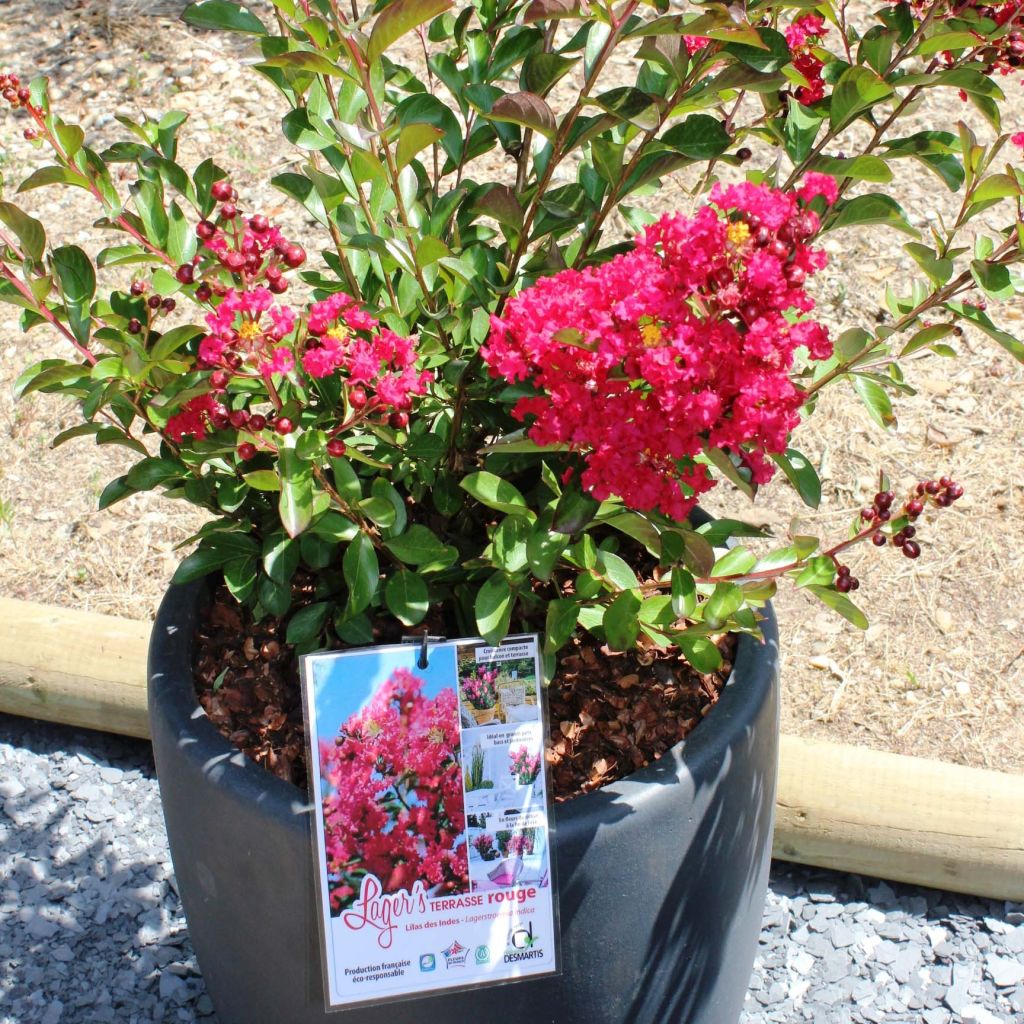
point(175, 709)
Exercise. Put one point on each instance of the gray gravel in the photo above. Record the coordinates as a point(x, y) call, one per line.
point(92, 932)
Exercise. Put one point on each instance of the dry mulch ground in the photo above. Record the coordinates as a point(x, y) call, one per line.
point(940, 671)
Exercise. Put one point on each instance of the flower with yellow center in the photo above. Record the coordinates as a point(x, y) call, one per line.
point(651, 334)
point(738, 232)
point(339, 333)
point(249, 331)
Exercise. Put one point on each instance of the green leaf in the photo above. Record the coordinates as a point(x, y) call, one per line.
point(303, 60)
point(494, 603)
point(621, 627)
point(700, 652)
point(280, 557)
point(417, 546)
point(307, 623)
point(492, 491)
point(240, 577)
point(938, 270)
point(617, 570)
point(575, 508)
point(699, 137)
point(398, 18)
point(296, 503)
point(560, 623)
point(115, 491)
point(508, 543)
point(982, 321)
point(52, 175)
point(148, 473)
point(801, 474)
point(405, 594)
point(263, 480)
point(857, 90)
point(819, 571)
point(724, 600)
point(684, 593)
point(875, 400)
point(200, 563)
point(333, 526)
point(77, 279)
point(842, 604)
point(526, 109)
point(801, 129)
point(361, 571)
point(224, 16)
point(735, 562)
point(873, 208)
point(946, 41)
point(28, 230)
point(770, 56)
point(414, 138)
point(993, 279)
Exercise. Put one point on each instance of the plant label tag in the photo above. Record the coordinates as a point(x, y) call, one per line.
point(433, 830)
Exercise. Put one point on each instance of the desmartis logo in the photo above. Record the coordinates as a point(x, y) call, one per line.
point(456, 954)
point(522, 944)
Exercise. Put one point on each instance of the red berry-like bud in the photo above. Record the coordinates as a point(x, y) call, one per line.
point(279, 286)
point(779, 248)
point(219, 421)
point(932, 487)
point(134, 326)
point(914, 508)
point(945, 481)
point(955, 491)
point(867, 514)
point(398, 420)
point(844, 584)
point(234, 360)
point(168, 304)
point(743, 154)
point(283, 425)
point(281, 246)
point(762, 237)
point(912, 549)
point(153, 302)
point(336, 448)
point(357, 398)
point(257, 421)
point(878, 539)
point(843, 570)
point(246, 451)
point(909, 531)
point(24, 95)
point(221, 190)
point(138, 288)
point(185, 274)
point(259, 223)
point(272, 273)
point(206, 229)
point(943, 501)
point(854, 583)
point(884, 499)
point(229, 211)
point(238, 418)
point(899, 539)
point(219, 379)
point(203, 292)
point(795, 275)
point(294, 256)
point(884, 515)
point(234, 261)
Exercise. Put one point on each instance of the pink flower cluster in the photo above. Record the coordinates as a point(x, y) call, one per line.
point(802, 36)
point(681, 345)
point(394, 805)
point(480, 688)
point(525, 766)
point(516, 844)
point(484, 845)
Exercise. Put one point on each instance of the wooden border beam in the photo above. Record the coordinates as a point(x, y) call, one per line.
point(846, 808)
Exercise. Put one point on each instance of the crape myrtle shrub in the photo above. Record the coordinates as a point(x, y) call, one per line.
point(466, 398)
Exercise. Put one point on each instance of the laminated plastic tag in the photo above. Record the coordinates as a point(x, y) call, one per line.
point(433, 824)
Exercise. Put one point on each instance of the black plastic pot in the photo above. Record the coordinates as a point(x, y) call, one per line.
point(661, 876)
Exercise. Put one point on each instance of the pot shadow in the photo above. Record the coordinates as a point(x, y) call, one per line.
point(86, 891)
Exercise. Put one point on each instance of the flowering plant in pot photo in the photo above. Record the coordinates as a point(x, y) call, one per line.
point(557, 283)
point(524, 765)
point(480, 690)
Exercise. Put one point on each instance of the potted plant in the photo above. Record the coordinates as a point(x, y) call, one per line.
point(480, 690)
point(488, 396)
point(524, 767)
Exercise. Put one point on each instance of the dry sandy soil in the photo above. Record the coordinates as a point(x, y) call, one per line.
point(940, 672)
